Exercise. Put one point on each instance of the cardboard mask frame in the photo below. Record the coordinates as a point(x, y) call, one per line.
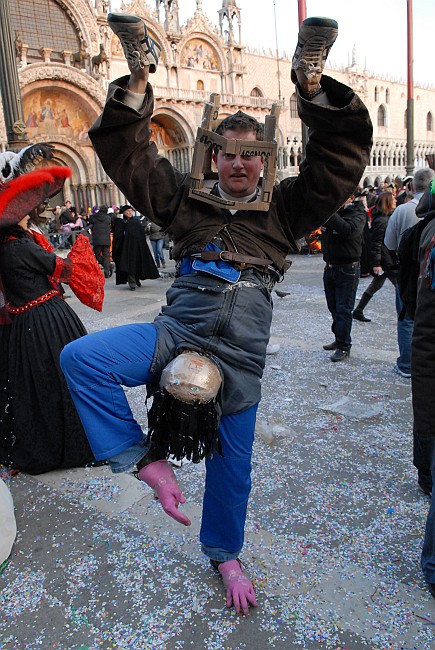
point(202, 179)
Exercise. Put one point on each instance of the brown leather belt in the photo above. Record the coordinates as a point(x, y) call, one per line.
point(228, 256)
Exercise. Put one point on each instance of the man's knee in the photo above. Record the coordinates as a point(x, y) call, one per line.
point(68, 356)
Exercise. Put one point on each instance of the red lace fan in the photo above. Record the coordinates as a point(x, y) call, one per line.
point(87, 280)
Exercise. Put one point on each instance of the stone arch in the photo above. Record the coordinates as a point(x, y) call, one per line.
point(199, 52)
point(174, 138)
point(71, 78)
point(57, 113)
point(256, 92)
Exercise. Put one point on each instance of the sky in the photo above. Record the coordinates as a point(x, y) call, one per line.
point(377, 28)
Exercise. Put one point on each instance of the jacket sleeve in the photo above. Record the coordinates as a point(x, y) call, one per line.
point(349, 223)
point(153, 186)
point(337, 152)
point(378, 232)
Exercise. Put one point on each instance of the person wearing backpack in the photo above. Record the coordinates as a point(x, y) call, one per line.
point(423, 374)
point(403, 217)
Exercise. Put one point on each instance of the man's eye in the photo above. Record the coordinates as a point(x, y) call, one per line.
point(229, 156)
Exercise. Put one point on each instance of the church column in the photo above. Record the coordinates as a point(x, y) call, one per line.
point(93, 195)
point(110, 188)
point(76, 196)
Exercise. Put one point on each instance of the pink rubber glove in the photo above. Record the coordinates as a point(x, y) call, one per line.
point(161, 478)
point(240, 590)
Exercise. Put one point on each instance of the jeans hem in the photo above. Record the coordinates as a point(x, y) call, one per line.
point(219, 554)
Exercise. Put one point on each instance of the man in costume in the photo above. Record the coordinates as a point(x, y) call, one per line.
point(230, 245)
point(131, 253)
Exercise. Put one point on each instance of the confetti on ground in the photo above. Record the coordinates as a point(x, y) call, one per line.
point(334, 530)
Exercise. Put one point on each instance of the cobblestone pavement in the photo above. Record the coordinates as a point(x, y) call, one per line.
point(334, 528)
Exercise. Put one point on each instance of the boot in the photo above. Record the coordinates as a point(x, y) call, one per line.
point(358, 313)
point(163, 264)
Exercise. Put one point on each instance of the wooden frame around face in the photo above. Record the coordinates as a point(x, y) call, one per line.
point(202, 179)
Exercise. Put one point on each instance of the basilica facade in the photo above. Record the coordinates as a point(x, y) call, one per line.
point(66, 55)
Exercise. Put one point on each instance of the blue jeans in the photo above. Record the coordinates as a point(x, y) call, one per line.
point(428, 553)
point(157, 246)
point(341, 284)
point(404, 336)
point(96, 367)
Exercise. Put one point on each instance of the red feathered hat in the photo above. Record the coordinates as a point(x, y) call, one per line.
point(19, 196)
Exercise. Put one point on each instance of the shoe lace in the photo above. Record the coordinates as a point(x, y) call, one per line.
point(132, 48)
point(315, 55)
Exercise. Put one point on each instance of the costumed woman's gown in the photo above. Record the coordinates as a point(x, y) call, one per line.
point(46, 431)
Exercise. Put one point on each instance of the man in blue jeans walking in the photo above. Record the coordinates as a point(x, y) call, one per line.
point(342, 246)
point(403, 218)
point(228, 261)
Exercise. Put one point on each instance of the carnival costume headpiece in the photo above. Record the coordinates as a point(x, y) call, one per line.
point(14, 164)
point(21, 195)
point(184, 417)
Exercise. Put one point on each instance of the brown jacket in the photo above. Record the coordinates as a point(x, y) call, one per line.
point(337, 154)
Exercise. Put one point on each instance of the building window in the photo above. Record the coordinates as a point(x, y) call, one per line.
point(199, 85)
point(376, 94)
point(293, 106)
point(382, 116)
point(256, 92)
point(387, 96)
point(429, 122)
point(44, 23)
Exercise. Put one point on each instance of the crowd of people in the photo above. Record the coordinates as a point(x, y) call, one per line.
point(203, 357)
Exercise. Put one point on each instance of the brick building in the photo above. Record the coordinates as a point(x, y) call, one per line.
point(66, 55)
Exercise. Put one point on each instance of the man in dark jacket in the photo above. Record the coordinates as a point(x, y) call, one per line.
point(228, 261)
point(342, 247)
point(131, 253)
point(423, 378)
point(100, 223)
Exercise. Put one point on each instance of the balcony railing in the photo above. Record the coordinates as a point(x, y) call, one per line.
point(200, 96)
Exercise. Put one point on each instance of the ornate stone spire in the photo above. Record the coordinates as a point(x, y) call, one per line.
point(172, 21)
point(227, 15)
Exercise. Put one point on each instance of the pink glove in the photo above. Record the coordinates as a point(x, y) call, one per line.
point(240, 590)
point(161, 478)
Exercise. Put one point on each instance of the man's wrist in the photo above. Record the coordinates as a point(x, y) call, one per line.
point(312, 93)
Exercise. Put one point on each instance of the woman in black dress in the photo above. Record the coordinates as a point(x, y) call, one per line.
point(41, 430)
point(383, 266)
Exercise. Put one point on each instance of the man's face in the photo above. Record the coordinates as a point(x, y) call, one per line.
point(128, 213)
point(238, 176)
